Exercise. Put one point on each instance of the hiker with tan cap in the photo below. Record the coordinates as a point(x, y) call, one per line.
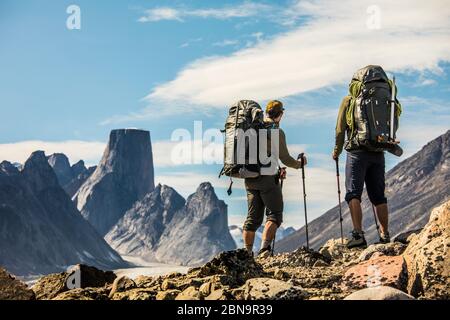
point(264, 194)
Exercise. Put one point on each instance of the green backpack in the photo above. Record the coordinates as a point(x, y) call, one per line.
point(372, 122)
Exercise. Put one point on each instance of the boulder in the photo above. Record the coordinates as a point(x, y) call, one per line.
point(237, 265)
point(83, 294)
point(122, 284)
point(380, 270)
point(405, 236)
point(302, 257)
point(190, 293)
point(205, 289)
point(334, 249)
point(379, 293)
point(167, 295)
point(13, 289)
point(427, 257)
point(135, 294)
point(271, 289)
point(48, 287)
point(219, 294)
point(387, 249)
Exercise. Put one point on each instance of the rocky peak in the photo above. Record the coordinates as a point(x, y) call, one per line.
point(139, 230)
point(59, 162)
point(38, 172)
point(78, 168)
point(129, 155)
point(8, 168)
point(204, 205)
point(125, 175)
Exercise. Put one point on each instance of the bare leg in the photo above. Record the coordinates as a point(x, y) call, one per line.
point(356, 213)
point(270, 230)
point(382, 214)
point(249, 239)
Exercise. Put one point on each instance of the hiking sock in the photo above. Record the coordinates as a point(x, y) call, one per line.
point(265, 244)
point(249, 248)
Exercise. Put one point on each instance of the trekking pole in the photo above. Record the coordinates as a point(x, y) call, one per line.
point(275, 236)
point(376, 221)
point(339, 197)
point(300, 157)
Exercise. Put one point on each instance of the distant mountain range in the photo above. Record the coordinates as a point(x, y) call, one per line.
point(413, 188)
point(41, 231)
point(53, 215)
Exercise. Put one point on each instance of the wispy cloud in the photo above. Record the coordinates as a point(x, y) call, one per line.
point(246, 9)
point(323, 52)
point(225, 43)
point(190, 42)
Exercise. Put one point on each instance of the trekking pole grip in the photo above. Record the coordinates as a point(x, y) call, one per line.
point(300, 157)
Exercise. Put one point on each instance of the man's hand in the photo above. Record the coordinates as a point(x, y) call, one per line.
point(334, 155)
point(282, 173)
point(302, 159)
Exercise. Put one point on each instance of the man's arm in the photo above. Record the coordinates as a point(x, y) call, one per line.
point(284, 155)
point(341, 127)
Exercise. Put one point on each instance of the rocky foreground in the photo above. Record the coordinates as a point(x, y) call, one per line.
point(415, 265)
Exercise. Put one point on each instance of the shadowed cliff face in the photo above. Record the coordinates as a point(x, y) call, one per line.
point(165, 227)
point(124, 175)
point(413, 188)
point(198, 231)
point(139, 230)
point(41, 230)
point(70, 177)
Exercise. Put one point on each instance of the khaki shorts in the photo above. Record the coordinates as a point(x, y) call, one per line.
point(264, 197)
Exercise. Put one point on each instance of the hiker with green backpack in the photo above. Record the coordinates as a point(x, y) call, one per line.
point(262, 181)
point(369, 117)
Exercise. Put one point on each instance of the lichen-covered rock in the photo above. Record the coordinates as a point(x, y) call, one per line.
point(136, 294)
point(404, 237)
point(13, 289)
point(147, 282)
point(190, 293)
point(334, 249)
point(219, 294)
point(379, 293)
point(428, 259)
point(238, 265)
point(272, 289)
point(122, 284)
point(168, 294)
point(48, 287)
point(83, 294)
point(387, 249)
point(301, 257)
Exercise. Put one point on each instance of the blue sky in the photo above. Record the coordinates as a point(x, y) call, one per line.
point(161, 65)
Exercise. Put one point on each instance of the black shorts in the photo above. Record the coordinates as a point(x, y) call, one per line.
point(365, 167)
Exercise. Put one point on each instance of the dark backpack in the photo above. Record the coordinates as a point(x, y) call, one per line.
point(369, 114)
point(243, 116)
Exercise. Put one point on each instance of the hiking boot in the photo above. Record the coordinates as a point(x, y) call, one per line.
point(357, 240)
point(265, 252)
point(384, 238)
